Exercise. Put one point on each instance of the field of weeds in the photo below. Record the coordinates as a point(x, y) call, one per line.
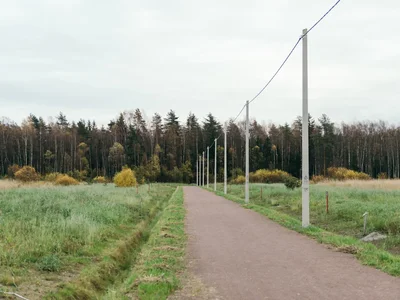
point(72, 241)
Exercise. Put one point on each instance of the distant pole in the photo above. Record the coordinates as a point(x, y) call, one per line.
point(215, 165)
point(208, 165)
point(247, 153)
point(203, 166)
point(199, 174)
point(225, 162)
point(197, 170)
point(304, 129)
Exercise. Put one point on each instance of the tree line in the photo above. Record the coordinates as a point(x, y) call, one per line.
point(167, 148)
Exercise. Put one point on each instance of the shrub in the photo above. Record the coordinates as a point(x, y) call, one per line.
point(52, 177)
point(317, 178)
point(346, 174)
point(12, 170)
point(292, 182)
point(382, 175)
point(269, 176)
point(78, 175)
point(99, 179)
point(27, 174)
point(66, 180)
point(237, 172)
point(239, 180)
point(125, 178)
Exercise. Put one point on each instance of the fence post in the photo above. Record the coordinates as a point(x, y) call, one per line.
point(327, 202)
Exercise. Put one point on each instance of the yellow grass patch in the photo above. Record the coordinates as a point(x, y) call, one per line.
point(14, 184)
point(381, 184)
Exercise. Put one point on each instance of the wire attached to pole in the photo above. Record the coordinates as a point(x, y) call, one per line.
point(291, 52)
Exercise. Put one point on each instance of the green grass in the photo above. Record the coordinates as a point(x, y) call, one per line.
point(342, 227)
point(155, 274)
point(89, 231)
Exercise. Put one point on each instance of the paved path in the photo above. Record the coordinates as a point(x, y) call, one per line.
point(243, 255)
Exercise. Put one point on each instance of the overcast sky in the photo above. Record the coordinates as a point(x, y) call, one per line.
point(94, 59)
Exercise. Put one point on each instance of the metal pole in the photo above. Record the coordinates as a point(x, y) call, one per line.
point(246, 199)
point(215, 165)
point(203, 166)
point(304, 129)
point(208, 165)
point(225, 162)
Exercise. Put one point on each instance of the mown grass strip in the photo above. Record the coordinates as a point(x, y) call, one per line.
point(368, 254)
point(155, 275)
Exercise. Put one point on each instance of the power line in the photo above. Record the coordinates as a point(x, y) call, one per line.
point(282, 64)
point(238, 115)
point(240, 112)
point(291, 51)
point(312, 27)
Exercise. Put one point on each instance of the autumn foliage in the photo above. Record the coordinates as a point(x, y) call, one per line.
point(125, 178)
point(239, 180)
point(12, 170)
point(27, 174)
point(269, 176)
point(99, 179)
point(52, 177)
point(346, 174)
point(66, 180)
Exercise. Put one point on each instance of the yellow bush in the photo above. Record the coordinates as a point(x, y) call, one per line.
point(125, 178)
point(317, 178)
point(52, 177)
point(239, 180)
point(66, 180)
point(27, 174)
point(269, 176)
point(346, 174)
point(99, 179)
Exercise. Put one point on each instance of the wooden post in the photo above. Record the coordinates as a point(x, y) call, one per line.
point(327, 202)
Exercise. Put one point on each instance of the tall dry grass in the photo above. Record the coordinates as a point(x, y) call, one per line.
point(380, 184)
point(6, 184)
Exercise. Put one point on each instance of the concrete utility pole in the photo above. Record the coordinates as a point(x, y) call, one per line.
point(247, 154)
point(208, 165)
point(203, 166)
point(215, 165)
point(225, 161)
point(304, 130)
point(197, 170)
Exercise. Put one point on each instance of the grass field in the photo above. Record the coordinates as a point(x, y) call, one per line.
point(71, 239)
point(348, 201)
